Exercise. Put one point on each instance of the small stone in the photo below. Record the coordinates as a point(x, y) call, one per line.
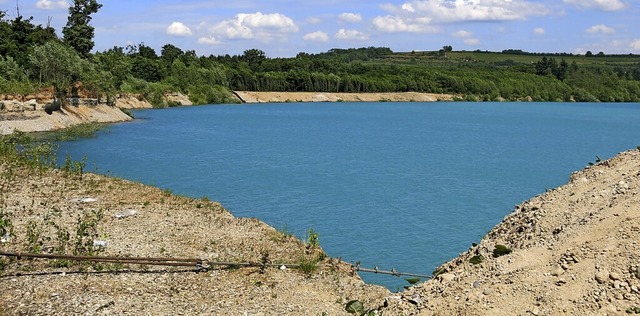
point(447, 277)
point(476, 284)
point(602, 276)
point(564, 266)
point(535, 311)
point(616, 284)
point(614, 276)
point(415, 298)
point(557, 271)
point(487, 291)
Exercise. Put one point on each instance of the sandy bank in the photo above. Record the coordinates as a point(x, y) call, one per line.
point(40, 121)
point(263, 97)
point(29, 116)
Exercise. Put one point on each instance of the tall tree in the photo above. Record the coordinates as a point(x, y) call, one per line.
point(57, 65)
point(78, 33)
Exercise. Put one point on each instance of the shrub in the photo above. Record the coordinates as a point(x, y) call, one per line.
point(501, 250)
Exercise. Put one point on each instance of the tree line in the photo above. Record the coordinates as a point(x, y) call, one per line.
point(33, 57)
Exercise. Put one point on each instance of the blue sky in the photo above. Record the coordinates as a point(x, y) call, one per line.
point(283, 28)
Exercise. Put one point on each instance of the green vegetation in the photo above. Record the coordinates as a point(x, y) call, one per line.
point(18, 151)
point(412, 280)
point(33, 58)
point(633, 310)
point(356, 307)
point(477, 259)
point(501, 250)
point(308, 265)
point(313, 240)
point(85, 130)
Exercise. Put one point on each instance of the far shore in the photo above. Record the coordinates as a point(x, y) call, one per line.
point(28, 115)
point(266, 97)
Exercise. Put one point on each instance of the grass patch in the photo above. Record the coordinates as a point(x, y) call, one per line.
point(87, 130)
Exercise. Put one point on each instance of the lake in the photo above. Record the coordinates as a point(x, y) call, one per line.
point(393, 185)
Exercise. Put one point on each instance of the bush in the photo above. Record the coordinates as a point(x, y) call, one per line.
point(501, 250)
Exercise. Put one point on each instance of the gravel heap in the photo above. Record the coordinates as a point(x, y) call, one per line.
point(575, 250)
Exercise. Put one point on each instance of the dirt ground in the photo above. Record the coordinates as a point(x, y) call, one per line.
point(262, 97)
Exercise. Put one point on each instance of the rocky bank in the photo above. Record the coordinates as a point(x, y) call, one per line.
point(29, 115)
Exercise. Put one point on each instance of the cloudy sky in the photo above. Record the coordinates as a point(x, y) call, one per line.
point(282, 28)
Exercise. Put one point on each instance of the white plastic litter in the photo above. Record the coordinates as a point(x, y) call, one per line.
point(125, 213)
point(6, 238)
point(100, 243)
point(84, 200)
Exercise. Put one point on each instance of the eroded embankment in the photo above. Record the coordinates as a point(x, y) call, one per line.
point(264, 97)
point(29, 115)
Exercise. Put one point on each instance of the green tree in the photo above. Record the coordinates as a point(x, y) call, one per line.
point(78, 33)
point(20, 35)
point(169, 53)
point(57, 65)
point(254, 58)
point(116, 62)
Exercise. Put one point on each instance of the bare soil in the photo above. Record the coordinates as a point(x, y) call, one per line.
point(262, 97)
point(142, 221)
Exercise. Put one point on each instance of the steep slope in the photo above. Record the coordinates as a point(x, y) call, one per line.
point(575, 251)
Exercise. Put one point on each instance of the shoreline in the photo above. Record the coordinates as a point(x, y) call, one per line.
point(277, 97)
point(30, 117)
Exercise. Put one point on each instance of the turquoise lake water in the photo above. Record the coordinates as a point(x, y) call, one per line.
point(393, 185)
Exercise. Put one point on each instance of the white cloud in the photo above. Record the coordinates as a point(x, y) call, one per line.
point(313, 20)
point(343, 34)
point(408, 7)
point(52, 4)
point(471, 41)
point(317, 36)
point(635, 45)
point(350, 17)
point(178, 29)
point(468, 10)
point(539, 31)
point(208, 40)
point(392, 24)
point(600, 28)
point(252, 25)
point(467, 36)
point(606, 5)
point(461, 34)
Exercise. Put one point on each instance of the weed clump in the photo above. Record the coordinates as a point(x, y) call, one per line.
point(501, 250)
point(477, 259)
